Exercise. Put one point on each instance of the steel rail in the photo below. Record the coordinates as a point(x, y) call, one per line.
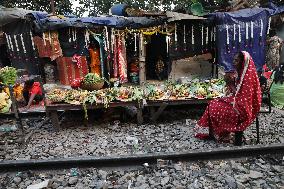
point(139, 159)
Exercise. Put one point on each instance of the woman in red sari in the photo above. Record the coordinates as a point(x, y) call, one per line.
point(236, 112)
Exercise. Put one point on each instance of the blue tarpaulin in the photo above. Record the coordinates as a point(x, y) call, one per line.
point(253, 26)
point(51, 23)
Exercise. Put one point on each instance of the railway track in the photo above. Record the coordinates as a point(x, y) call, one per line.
point(133, 160)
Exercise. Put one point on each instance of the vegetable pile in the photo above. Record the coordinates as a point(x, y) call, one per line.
point(8, 75)
point(205, 90)
point(170, 91)
point(5, 102)
point(92, 78)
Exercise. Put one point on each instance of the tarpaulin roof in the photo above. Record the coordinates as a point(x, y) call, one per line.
point(51, 23)
point(243, 30)
point(8, 15)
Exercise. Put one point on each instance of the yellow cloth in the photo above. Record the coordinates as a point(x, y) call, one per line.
point(95, 61)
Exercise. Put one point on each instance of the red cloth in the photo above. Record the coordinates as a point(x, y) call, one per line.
point(234, 113)
point(266, 72)
point(77, 59)
point(119, 60)
point(68, 70)
point(35, 89)
point(115, 64)
point(49, 46)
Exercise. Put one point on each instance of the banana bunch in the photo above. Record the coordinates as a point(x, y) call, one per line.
point(5, 103)
point(8, 75)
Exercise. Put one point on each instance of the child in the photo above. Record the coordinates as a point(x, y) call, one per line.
point(32, 92)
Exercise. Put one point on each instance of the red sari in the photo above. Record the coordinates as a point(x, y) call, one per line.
point(233, 113)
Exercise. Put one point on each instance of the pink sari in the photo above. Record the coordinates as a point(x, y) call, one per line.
point(234, 113)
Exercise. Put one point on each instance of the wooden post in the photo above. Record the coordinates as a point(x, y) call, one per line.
point(54, 119)
point(139, 115)
point(16, 111)
point(142, 57)
point(52, 7)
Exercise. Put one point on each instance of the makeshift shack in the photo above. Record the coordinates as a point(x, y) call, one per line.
point(137, 49)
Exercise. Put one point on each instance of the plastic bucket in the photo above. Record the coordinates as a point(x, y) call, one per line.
point(119, 9)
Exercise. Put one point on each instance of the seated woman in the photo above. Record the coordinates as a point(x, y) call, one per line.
point(277, 87)
point(235, 112)
point(32, 92)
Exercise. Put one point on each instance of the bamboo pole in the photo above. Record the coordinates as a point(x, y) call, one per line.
point(142, 57)
point(52, 7)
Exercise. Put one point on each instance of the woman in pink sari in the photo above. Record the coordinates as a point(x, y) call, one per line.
point(236, 112)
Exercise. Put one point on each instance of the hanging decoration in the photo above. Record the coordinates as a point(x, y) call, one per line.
point(112, 39)
point(240, 36)
point(135, 43)
point(211, 37)
point(106, 39)
point(167, 41)
point(247, 35)
point(213, 44)
point(33, 44)
point(202, 38)
point(23, 44)
point(228, 40)
point(184, 38)
point(87, 38)
point(74, 34)
point(207, 38)
point(269, 25)
point(251, 33)
point(261, 31)
point(43, 37)
point(49, 38)
point(234, 41)
point(16, 43)
point(8, 42)
point(192, 37)
point(176, 45)
point(69, 34)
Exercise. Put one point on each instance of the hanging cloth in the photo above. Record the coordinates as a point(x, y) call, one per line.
point(115, 53)
point(95, 61)
point(101, 43)
point(122, 61)
point(48, 45)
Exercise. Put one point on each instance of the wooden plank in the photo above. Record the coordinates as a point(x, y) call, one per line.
point(140, 116)
point(94, 106)
point(51, 107)
point(54, 119)
point(159, 112)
